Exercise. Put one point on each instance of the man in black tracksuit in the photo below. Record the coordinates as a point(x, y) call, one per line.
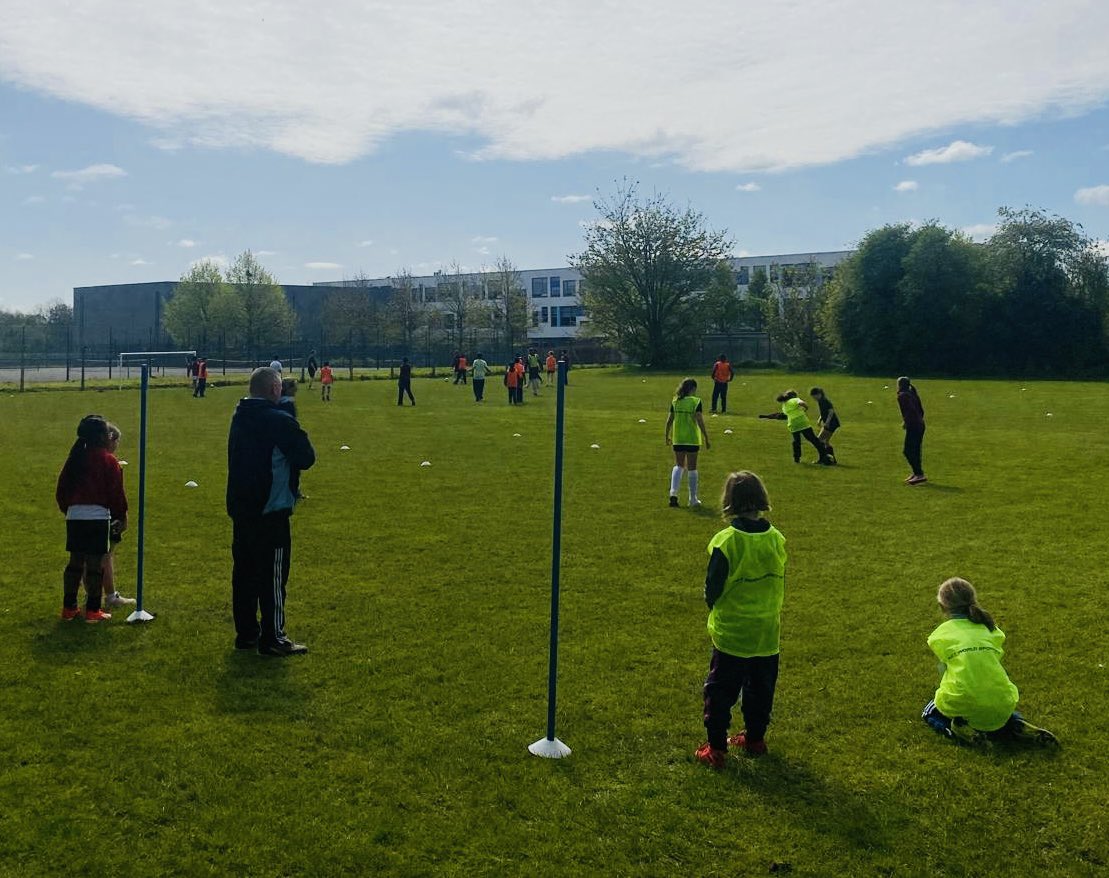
point(264, 447)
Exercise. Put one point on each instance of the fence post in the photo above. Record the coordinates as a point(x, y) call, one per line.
point(83, 349)
point(223, 351)
point(350, 352)
point(22, 357)
point(110, 347)
point(67, 334)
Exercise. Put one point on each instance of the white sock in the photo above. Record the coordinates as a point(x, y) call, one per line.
point(693, 479)
point(675, 480)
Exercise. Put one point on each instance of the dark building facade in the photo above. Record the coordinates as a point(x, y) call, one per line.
point(129, 316)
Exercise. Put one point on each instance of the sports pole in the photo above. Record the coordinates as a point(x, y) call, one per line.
point(141, 615)
point(550, 747)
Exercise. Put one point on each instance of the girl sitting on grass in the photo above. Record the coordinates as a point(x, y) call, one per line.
point(688, 425)
point(976, 700)
point(744, 588)
point(90, 493)
point(794, 414)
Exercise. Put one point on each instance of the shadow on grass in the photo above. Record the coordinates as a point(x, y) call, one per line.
point(943, 489)
point(61, 642)
point(252, 683)
point(815, 801)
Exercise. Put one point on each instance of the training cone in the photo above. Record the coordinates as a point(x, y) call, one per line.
point(549, 749)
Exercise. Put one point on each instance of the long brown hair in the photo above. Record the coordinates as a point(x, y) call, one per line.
point(685, 388)
point(958, 596)
point(789, 394)
point(744, 493)
point(92, 432)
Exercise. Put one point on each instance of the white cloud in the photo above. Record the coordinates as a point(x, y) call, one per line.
point(217, 259)
point(748, 187)
point(979, 231)
point(22, 257)
point(483, 251)
point(570, 199)
point(366, 243)
point(138, 260)
point(187, 243)
point(482, 239)
point(90, 174)
point(21, 169)
point(331, 88)
point(1017, 154)
point(956, 151)
point(323, 266)
point(34, 199)
point(1096, 195)
point(906, 186)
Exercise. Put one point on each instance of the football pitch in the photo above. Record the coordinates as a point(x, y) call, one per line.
point(398, 745)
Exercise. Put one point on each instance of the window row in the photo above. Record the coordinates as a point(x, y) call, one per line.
point(553, 286)
point(565, 315)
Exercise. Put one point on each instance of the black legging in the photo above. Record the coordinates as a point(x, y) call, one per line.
point(720, 393)
point(811, 437)
point(404, 387)
point(914, 438)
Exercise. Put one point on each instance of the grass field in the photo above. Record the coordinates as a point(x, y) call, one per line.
point(398, 746)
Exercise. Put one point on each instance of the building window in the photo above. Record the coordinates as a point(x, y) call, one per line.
point(554, 316)
point(543, 315)
point(744, 276)
point(538, 287)
point(568, 315)
point(569, 288)
point(535, 317)
point(556, 286)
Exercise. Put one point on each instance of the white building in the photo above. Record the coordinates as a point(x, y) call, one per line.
point(554, 294)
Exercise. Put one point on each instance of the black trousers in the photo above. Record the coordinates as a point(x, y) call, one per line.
point(201, 385)
point(260, 549)
point(732, 679)
point(914, 439)
point(810, 436)
point(404, 387)
point(720, 392)
point(459, 375)
point(479, 389)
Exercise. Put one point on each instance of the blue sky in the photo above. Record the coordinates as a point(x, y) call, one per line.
point(131, 147)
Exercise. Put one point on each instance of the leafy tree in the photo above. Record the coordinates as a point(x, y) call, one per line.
point(188, 314)
point(509, 301)
point(645, 264)
point(721, 303)
point(458, 292)
point(753, 306)
point(405, 313)
point(268, 319)
point(793, 316)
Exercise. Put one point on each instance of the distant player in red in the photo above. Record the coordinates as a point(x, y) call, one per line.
point(201, 369)
point(326, 380)
point(552, 367)
point(722, 373)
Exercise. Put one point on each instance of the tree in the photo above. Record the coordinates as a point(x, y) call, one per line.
point(458, 293)
point(267, 316)
point(188, 314)
point(754, 305)
point(644, 265)
point(509, 301)
point(721, 304)
point(405, 313)
point(793, 313)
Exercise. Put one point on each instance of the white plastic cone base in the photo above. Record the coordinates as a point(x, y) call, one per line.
point(549, 749)
point(140, 616)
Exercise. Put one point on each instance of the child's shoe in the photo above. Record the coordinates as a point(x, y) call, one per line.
point(1022, 730)
point(710, 756)
point(673, 502)
point(70, 613)
point(94, 616)
point(115, 599)
point(694, 502)
point(752, 748)
point(961, 730)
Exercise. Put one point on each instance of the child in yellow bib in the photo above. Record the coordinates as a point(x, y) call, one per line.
point(685, 428)
point(976, 699)
point(744, 588)
point(794, 413)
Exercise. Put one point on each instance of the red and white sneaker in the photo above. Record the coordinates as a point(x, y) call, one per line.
point(917, 480)
point(752, 748)
point(70, 613)
point(94, 616)
point(710, 756)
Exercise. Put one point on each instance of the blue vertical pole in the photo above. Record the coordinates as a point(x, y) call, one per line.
point(144, 383)
point(556, 549)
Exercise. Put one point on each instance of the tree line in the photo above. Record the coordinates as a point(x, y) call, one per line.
point(1031, 300)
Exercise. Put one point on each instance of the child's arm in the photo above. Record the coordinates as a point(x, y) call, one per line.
point(704, 432)
point(669, 424)
point(715, 578)
point(773, 416)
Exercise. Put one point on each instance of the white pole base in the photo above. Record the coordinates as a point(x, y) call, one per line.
point(140, 616)
point(549, 749)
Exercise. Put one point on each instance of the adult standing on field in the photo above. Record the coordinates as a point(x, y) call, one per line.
point(313, 366)
point(912, 420)
point(200, 367)
point(264, 447)
point(722, 373)
point(479, 367)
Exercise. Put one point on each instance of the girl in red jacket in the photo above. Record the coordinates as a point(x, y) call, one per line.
point(90, 493)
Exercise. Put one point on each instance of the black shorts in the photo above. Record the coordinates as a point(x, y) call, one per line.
point(87, 537)
point(687, 449)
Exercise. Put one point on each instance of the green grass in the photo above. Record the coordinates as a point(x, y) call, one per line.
point(398, 746)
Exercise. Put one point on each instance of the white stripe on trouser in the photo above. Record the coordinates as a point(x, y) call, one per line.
point(278, 600)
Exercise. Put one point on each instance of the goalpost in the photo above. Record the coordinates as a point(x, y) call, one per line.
point(143, 359)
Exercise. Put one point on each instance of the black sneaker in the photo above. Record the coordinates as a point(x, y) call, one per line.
point(282, 648)
point(240, 643)
point(673, 502)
